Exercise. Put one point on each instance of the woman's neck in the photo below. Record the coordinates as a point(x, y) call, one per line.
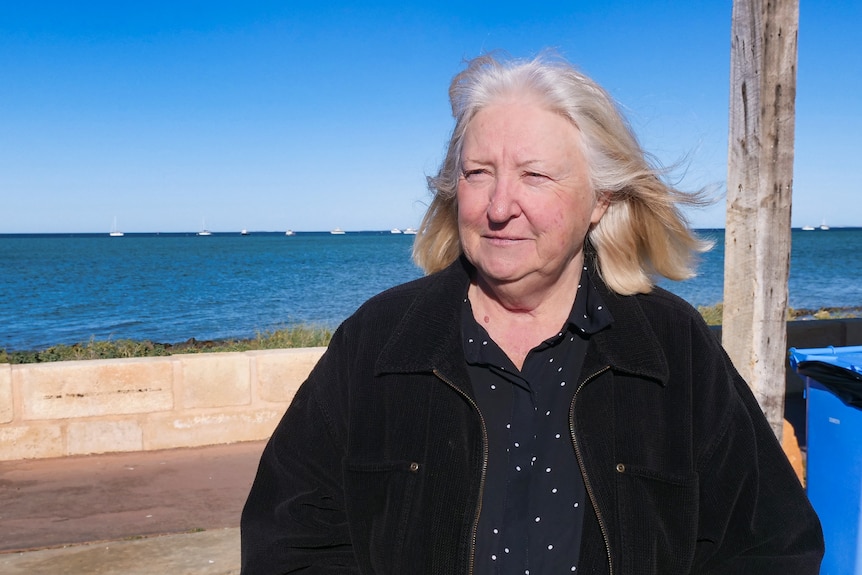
point(519, 319)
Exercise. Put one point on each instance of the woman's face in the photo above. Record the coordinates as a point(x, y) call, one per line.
point(525, 203)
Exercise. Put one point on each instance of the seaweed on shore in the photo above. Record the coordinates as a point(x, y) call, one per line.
point(713, 314)
point(826, 313)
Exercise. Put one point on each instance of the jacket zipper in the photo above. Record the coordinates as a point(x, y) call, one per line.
point(475, 526)
point(580, 459)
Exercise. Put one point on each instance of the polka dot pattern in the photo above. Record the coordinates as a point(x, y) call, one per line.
point(531, 516)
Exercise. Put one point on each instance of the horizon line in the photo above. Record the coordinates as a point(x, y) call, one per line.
point(347, 231)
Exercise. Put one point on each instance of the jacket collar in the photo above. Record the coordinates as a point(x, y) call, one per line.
point(427, 338)
point(629, 344)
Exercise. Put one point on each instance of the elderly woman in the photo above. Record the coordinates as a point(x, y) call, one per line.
point(535, 404)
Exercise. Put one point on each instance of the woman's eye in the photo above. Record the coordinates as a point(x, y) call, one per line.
point(473, 173)
point(535, 176)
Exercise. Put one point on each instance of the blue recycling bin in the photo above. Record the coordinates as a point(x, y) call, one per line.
point(833, 388)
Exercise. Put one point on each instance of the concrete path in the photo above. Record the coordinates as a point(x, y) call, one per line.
point(207, 553)
point(174, 511)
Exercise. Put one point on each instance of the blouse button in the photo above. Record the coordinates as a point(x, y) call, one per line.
point(414, 467)
point(621, 468)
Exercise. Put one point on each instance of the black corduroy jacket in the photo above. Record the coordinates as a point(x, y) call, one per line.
point(379, 462)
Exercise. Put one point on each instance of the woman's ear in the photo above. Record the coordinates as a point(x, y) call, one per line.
point(603, 201)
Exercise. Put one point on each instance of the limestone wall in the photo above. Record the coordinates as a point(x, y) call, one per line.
point(79, 407)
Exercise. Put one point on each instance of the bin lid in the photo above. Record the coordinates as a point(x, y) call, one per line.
point(839, 369)
point(849, 358)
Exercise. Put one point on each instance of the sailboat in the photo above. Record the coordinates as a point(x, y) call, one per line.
point(204, 231)
point(115, 231)
point(823, 225)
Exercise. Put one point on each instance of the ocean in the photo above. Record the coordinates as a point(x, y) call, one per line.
point(167, 288)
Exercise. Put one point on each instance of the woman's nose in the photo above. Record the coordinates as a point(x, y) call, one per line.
point(503, 205)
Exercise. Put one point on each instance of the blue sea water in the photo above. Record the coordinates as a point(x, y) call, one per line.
point(825, 270)
point(171, 287)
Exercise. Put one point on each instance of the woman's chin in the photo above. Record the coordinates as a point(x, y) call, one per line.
point(502, 273)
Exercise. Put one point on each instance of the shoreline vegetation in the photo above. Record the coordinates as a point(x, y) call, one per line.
point(292, 337)
point(712, 314)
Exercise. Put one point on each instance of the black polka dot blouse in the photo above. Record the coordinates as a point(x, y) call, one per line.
point(533, 498)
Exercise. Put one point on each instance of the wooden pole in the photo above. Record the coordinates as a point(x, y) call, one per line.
point(759, 187)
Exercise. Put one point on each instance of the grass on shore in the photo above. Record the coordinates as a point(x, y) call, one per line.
point(712, 314)
point(298, 336)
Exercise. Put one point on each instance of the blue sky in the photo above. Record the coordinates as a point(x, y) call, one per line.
point(309, 116)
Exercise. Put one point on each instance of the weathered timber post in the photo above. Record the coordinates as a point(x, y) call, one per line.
point(759, 186)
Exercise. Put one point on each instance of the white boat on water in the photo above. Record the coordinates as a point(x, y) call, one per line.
point(115, 231)
point(290, 233)
point(410, 231)
point(244, 232)
point(394, 231)
point(822, 226)
point(204, 231)
point(337, 232)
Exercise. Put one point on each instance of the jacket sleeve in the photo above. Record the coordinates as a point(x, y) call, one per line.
point(755, 517)
point(294, 518)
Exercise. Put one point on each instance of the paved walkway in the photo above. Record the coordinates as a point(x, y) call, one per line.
point(174, 511)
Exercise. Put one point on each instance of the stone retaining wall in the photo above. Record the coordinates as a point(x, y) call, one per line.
point(187, 400)
point(80, 407)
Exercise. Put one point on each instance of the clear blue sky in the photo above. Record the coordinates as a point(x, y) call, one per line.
point(315, 115)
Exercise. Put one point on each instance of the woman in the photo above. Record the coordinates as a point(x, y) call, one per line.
point(534, 404)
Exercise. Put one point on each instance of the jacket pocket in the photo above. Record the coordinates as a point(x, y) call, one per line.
point(378, 499)
point(657, 515)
